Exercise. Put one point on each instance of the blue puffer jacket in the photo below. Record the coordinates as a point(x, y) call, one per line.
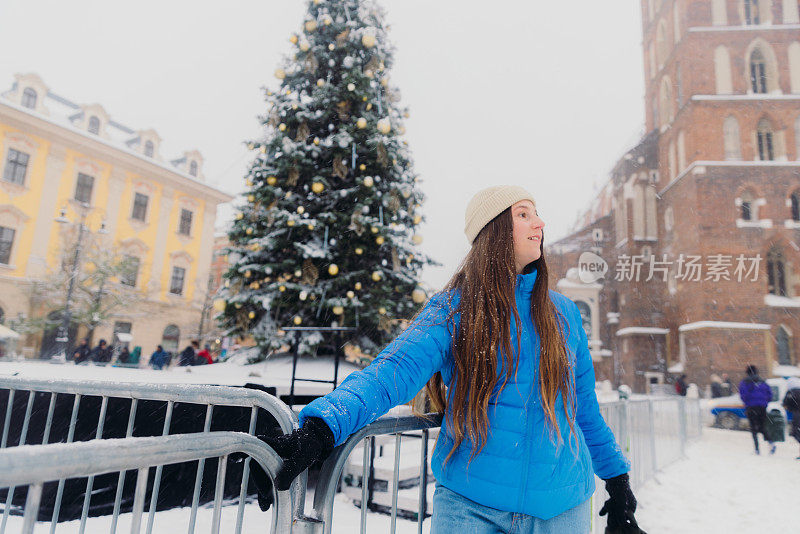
point(522, 467)
point(755, 392)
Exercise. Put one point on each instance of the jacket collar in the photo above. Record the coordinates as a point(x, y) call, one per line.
point(525, 282)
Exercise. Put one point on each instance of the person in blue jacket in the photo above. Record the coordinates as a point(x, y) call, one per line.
point(756, 395)
point(508, 362)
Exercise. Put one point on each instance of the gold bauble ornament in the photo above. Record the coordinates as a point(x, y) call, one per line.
point(298, 273)
point(263, 150)
point(358, 286)
point(369, 106)
point(272, 180)
point(320, 82)
point(327, 20)
point(255, 285)
point(368, 73)
point(416, 239)
point(362, 167)
point(384, 126)
point(247, 274)
point(239, 216)
point(310, 226)
point(418, 296)
point(402, 130)
point(368, 181)
point(374, 229)
point(280, 74)
point(311, 25)
point(282, 289)
point(248, 183)
point(219, 305)
point(333, 269)
point(359, 251)
point(417, 219)
point(227, 283)
point(406, 193)
point(282, 126)
point(376, 276)
point(251, 198)
point(331, 47)
point(290, 222)
point(304, 45)
point(350, 294)
point(288, 194)
point(361, 123)
point(303, 295)
point(316, 140)
point(380, 240)
point(364, 99)
point(249, 230)
point(294, 106)
point(252, 315)
point(301, 210)
point(293, 39)
point(238, 305)
point(368, 40)
point(297, 320)
point(318, 187)
point(338, 310)
point(382, 310)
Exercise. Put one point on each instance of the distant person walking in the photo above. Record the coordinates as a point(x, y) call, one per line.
point(680, 386)
point(188, 354)
point(792, 404)
point(159, 358)
point(81, 353)
point(756, 394)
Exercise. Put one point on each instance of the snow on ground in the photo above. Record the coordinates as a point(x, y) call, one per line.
point(723, 487)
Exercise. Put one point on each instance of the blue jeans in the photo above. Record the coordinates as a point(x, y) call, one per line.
point(453, 513)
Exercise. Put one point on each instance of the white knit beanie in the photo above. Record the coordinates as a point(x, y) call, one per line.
point(488, 204)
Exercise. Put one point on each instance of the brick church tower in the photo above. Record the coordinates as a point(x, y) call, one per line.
point(700, 222)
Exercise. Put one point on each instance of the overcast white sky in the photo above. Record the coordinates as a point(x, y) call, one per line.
point(542, 94)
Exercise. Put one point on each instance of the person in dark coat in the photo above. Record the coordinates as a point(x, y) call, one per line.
point(756, 395)
point(188, 355)
point(727, 385)
point(101, 353)
point(159, 358)
point(792, 404)
point(124, 355)
point(81, 353)
point(680, 386)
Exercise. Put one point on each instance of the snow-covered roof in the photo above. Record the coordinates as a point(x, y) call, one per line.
point(698, 325)
point(642, 330)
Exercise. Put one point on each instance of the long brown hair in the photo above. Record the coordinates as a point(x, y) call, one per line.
point(486, 281)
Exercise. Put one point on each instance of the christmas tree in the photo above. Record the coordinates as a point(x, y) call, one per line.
point(327, 236)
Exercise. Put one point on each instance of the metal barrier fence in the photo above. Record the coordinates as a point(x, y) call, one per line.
point(652, 432)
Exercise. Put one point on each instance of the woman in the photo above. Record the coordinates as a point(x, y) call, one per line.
point(522, 434)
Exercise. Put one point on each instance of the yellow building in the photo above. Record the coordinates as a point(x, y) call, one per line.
point(57, 154)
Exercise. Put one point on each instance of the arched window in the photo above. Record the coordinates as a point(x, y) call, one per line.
point(776, 278)
point(193, 168)
point(171, 338)
point(94, 125)
point(747, 207)
point(722, 71)
point(751, 14)
point(29, 98)
point(764, 138)
point(794, 204)
point(665, 102)
point(149, 149)
point(794, 67)
point(662, 48)
point(730, 131)
point(784, 345)
point(586, 317)
point(758, 72)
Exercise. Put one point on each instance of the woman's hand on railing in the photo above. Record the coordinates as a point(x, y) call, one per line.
point(299, 450)
point(620, 507)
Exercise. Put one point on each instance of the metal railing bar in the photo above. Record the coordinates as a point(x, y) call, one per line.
point(32, 503)
point(101, 421)
point(138, 499)
point(121, 478)
point(49, 422)
point(70, 436)
point(221, 471)
point(395, 483)
point(365, 485)
point(151, 513)
point(423, 481)
point(23, 436)
point(198, 480)
point(7, 421)
point(245, 475)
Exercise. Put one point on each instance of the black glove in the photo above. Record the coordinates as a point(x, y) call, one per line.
point(304, 446)
point(620, 507)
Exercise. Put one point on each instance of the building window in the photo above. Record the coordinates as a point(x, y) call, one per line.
point(679, 85)
point(776, 278)
point(193, 168)
point(764, 138)
point(83, 189)
point(185, 227)
point(176, 283)
point(795, 204)
point(139, 207)
point(29, 98)
point(171, 338)
point(94, 125)
point(751, 15)
point(16, 167)
point(746, 208)
point(784, 343)
point(586, 317)
point(758, 72)
point(149, 149)
point(6, 242)
point(130, 271)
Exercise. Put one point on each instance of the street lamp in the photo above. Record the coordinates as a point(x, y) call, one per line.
point(63, 330)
